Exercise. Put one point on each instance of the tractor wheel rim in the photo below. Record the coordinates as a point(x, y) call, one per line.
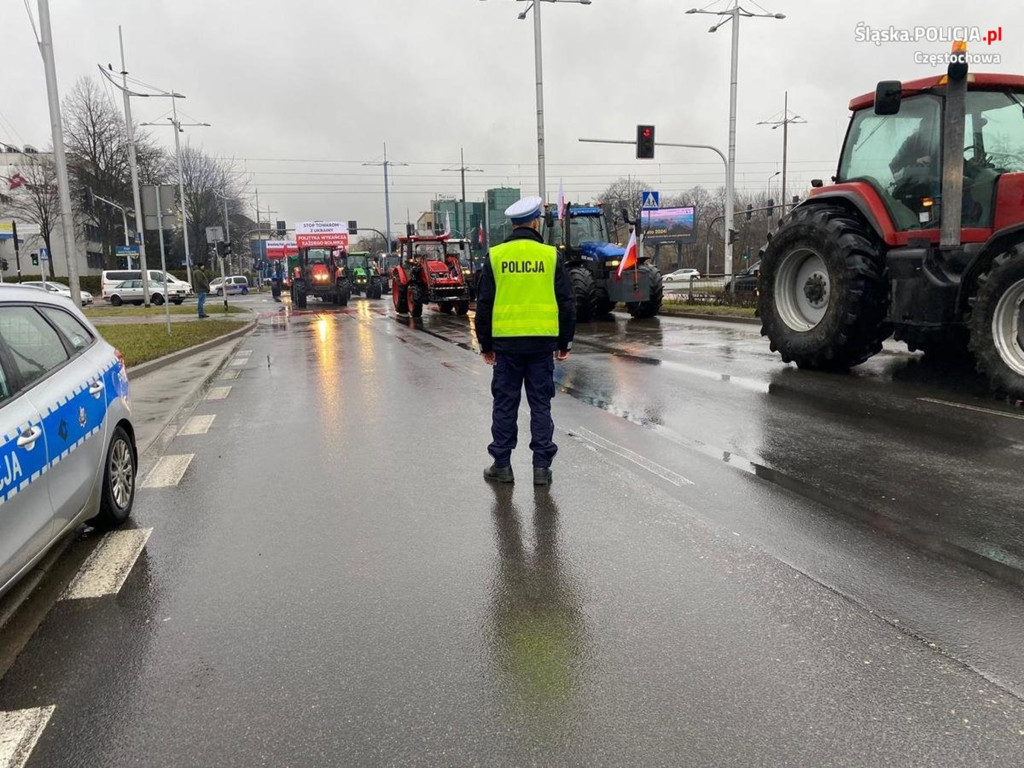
point(1008, 327)
point(802, 290)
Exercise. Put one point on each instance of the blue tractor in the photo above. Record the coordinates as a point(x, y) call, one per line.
point(593, 262)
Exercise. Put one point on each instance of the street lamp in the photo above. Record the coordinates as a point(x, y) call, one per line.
point(178, 128)
point(769, 197)
point(732, 14)
point(785, 122)
point(537, 54)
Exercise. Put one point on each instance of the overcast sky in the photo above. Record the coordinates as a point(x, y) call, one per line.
point(303, 92)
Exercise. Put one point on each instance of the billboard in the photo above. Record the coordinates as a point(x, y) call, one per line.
point(321, 234)
point(670, 225)
point(280, 249)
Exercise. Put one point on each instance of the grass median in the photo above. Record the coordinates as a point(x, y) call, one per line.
point(142, 342)
point(212, 309)
point(724, 310)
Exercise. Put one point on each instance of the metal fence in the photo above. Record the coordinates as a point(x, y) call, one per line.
point(714, 290)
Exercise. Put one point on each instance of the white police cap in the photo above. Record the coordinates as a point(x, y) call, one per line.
point(526, 209)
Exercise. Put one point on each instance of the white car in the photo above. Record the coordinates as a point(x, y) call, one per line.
point(130, 292)
point(110, 278)
point(236, 284)
point(60, 289)
point(682, 276)
point(67, 445)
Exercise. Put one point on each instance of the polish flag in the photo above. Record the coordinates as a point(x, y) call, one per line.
point(447, 224)
point(561, 199)
point(481, 237)
point(15, 181)
point(629, 258)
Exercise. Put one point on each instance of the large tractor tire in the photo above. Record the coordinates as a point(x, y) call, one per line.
point(997, 323)
point(461, 308)
point(414, 299)
point(301, 299)
point(585, 292)
point(644, 309)
point(342, 294)
point(603, 306)
point(398, 296)
point(823, 289)
point(446, 307)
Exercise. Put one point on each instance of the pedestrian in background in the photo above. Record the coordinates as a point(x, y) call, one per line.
point(201, 283)
point(525, 320)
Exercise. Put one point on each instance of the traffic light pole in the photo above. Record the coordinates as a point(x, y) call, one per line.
point(163, 256)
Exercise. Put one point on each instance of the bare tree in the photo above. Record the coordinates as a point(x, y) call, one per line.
point(625, 193)
point(207, 182)
point(36, 200)
point(97, 146)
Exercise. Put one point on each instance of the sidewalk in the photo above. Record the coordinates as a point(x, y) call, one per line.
point(157, 319)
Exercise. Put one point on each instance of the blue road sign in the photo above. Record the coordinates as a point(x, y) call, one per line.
point(44, 254)
point(651, 200)
point(127, 250)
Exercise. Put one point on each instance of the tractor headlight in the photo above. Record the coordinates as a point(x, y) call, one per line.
point(614, 262)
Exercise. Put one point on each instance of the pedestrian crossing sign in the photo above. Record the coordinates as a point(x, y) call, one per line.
point(651, 200)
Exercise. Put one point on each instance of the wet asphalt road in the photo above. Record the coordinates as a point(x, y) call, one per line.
point(731, 568)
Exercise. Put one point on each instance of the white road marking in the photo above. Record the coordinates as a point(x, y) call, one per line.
point(19, 732)
point(229, 375)
point(239, 362)
point(197, 425)
point(106, 569)
point(168, 471)
point(975, 408)
point(636, 458)
point(218, 393)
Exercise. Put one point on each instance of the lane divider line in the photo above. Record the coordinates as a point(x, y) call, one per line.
point(655, 469)
point(106, 569)
point(20, 729)
point(218, 393)
point(168, 471)
point(975, 408)
point(197, 425)
point(229, 375)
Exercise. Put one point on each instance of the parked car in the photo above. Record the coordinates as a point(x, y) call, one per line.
point(67, 445)
point(60, 289)
point(113, 277)
point(236, 284)
point(130, 292)
point(746, 281)
point(681, 275)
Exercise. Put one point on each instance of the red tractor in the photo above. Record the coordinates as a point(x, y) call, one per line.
point(921, 236)
point(428, 274)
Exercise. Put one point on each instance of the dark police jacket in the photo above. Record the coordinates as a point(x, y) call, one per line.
point(525, 345)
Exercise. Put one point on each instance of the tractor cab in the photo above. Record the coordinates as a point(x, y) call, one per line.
point(320, 272)
point(364, 274)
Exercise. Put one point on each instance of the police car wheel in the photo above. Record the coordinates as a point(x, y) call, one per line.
point(119, 474)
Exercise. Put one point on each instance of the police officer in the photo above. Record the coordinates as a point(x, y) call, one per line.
point(525, 320)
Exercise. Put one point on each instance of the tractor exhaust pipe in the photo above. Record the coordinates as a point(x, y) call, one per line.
point(953, 148)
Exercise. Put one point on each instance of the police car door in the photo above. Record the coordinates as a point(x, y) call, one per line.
point(74, 408)
point(26, 515)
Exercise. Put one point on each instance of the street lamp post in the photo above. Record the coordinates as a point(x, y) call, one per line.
point(178, 128)
point(733, 14)
point(385, 163)
point(785, 122)
point(769, 189)
point(539, 66)
point(462, 169)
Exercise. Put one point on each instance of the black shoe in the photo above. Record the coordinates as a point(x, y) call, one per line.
point(541, 476)
point(496, 474)
point(203, 317)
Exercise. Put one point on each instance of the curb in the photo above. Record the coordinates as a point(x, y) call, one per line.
point(722, 318)
point(155, 365)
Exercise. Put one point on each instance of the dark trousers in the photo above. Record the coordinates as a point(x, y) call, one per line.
point(511, 372)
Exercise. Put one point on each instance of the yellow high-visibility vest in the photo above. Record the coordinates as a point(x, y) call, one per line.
point(524, 280)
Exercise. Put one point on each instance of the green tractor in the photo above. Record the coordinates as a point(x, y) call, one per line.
point(364, 275)
point(593, 262)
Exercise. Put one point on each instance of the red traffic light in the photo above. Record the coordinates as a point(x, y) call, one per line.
point(645, 142)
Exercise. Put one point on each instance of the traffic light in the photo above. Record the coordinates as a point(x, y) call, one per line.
point(645, 142)
point(750, 211)
point(227, 248)
point(35, 259)
point(770, 209)
point(221, 249)
point(353, 227)
point(88, 198)
point(732, 236)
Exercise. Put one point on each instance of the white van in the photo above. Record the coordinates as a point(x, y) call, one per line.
point(111, 278)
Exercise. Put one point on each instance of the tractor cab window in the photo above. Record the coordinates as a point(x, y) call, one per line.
point(586, 229)
point(318, 255)
point(428, 252)
point(993, 145)
point(900, 155)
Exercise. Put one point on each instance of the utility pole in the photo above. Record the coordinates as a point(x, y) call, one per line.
point(133, 164)
point(59, 156)
point(462, 169)
point(385, 163)
point(784, 122)
point(733, 14)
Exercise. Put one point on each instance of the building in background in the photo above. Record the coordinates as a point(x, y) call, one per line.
point(19, 169)
point(498, 199)
point(452, 209)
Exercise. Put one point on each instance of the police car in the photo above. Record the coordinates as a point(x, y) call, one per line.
point(67, 444)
